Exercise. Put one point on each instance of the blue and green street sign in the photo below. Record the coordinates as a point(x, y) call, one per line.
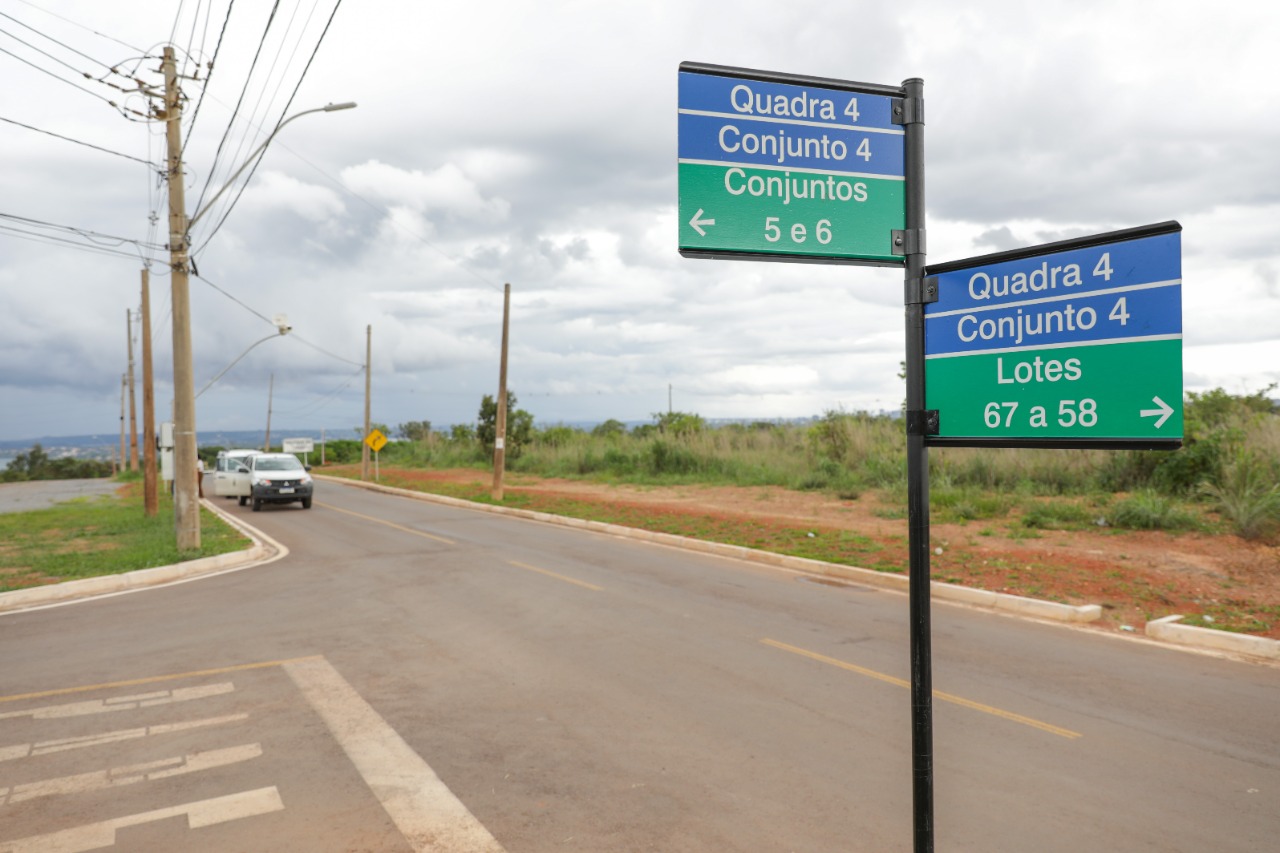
point(1065, 345)
point(783, 168)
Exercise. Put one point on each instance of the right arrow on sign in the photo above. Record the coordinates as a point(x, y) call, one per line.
point(697, 222)
point(1162, 413)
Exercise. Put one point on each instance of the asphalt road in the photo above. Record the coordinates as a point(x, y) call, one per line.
point(419, 677)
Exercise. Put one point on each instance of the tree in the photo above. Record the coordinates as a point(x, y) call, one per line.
point(609, 429)
point(414, 430)
point(519, 425)
point(679, 424)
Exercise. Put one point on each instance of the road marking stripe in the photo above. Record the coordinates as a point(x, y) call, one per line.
point(425, 811)
point(154, 679)
point(937, 694)
point(122, 703)
point(202, 813)
point(558, 577)
point(385, 523)
point(164, 768)
point(22, 750)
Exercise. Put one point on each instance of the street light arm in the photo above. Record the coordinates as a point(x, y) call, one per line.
point(281, 331)
point(327, 108)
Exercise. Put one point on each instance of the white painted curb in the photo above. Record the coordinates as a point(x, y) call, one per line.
point(1168, 630)
point(980, 598)
point(264, 549)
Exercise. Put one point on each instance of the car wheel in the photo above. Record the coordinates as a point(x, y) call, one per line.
point(257, 505)
point(243, 500)
point(306, 503)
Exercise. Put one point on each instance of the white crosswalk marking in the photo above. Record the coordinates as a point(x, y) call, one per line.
point(96, 836)
point(121, 703)
point(128, 775)
point(22, 750)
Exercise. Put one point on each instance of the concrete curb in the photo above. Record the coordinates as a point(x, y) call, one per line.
point(264, 550)
point(979, 598)
point(1169, 631)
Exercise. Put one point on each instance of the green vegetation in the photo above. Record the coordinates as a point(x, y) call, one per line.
point(35, 464)
point(103, 536)
point(1230, 464)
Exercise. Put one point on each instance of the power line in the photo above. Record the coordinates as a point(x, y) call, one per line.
point(213, 63)
point(236, 111)
point(80, 142)
point(81, 26)
point(252, 311)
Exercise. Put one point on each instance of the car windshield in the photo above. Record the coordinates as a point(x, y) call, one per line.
point(277, 465)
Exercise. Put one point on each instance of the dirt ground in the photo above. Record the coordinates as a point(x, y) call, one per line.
point(1216, 580)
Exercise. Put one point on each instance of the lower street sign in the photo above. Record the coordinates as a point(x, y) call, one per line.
point(1072, 344)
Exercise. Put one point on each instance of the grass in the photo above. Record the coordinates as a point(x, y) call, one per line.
point(101, 536)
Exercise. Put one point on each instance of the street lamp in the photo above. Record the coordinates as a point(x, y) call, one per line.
point(327, 108)
point(186, 507)
point(282, 329)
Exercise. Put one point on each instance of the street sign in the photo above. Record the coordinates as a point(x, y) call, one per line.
point(1071, 344)
point(789, 168)
point(376, 440)
point(297, 445)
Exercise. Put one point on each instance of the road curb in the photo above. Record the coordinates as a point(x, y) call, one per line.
point(978, 598)
point(1168, 630)
point(264, 550)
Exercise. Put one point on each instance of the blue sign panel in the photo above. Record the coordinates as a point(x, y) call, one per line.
point(780, 167)
point(1106, 293)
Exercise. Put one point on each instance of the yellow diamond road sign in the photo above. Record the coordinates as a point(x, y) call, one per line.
point(376, 440)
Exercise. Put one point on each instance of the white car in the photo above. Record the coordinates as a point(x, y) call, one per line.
point(231, 474)
point(278, 478)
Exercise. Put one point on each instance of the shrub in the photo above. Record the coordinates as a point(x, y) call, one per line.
point(1247, 495)
point(1147, 510)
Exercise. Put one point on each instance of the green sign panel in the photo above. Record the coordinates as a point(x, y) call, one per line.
point(1067, 345)
point(778, 167)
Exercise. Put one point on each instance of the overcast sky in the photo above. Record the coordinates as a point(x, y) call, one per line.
point(535, 143)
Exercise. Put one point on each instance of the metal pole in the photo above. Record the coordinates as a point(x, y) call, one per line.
point(133, 403)
point(368, 361)
point(186, 506)
point(500, 436)
point(918, 475)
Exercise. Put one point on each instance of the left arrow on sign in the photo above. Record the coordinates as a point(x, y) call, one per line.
point(1161, 414)
point(697, 222)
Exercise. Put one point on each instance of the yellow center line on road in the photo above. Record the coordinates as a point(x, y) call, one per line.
point(134, 682)
point(937, 694)
point(390, 524)
point(573, 581)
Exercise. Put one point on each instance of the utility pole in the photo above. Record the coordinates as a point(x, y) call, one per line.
point(271, 387)
point(133, 404)
point(368, 367)
point(150, 493)
point(186, 506)
point(124, 385)
point(500, 435)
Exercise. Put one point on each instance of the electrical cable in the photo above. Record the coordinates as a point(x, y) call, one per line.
point(213, 63)
point(288, 104)
point(79, 142)
point(80, 25)
point(236, 111)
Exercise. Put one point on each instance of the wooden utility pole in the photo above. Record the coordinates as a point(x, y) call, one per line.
point(500, 435)
point(150, 493)
point(368, 383)
point(186, 506)
point(271, 387)
point(133, 404)
point(124, 387)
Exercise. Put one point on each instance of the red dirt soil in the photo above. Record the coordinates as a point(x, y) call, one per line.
point(1134, 575)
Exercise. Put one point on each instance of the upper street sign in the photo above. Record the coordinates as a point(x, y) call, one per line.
point(783, 167)
point(1071, 344)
